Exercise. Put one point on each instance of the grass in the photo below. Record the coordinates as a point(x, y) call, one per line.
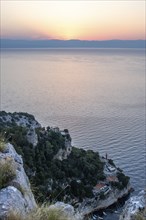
point(14, 216)
point(46, 213)
point(2, 144)
point(41, 213)
point(7, 171)
point(141, 215)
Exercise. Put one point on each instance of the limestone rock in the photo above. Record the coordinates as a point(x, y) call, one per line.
point(32, 137)
point(64, 153)
point(17, 196)
point(11, 199)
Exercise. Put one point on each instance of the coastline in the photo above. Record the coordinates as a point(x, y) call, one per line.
point(102, 197)
point(112, 199)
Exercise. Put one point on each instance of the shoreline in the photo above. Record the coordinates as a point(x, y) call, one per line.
point(109, 188)
point(107, 202)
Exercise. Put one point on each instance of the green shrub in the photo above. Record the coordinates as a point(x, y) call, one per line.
point(124, 180)
point(102, 196)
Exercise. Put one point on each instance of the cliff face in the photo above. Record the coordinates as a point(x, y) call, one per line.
point(16, 194)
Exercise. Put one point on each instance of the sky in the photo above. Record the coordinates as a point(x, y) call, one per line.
point(84, 20)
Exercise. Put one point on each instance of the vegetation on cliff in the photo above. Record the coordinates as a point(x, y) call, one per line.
point(16, 199)
point(53, 179)
point(7, 172)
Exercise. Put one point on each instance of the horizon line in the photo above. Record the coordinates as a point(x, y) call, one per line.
point(45, 39)
point(72, 43)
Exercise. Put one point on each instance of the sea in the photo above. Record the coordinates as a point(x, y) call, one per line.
point(97, 94)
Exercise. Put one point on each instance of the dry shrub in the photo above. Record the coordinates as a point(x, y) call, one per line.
point(7, 171)
point(46, 213)
point(2, 144)
point(14, 216)
point(41, 213)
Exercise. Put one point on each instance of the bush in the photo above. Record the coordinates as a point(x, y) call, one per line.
point(41, 213)
point(102, 196)
point(7, 172)
point(124, 180)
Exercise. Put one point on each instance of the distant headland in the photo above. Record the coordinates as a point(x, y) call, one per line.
point(55, 43)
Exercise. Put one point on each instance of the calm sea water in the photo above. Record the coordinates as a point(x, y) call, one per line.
point(98, 94)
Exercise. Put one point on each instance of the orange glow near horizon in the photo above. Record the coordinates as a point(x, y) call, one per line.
point(84, 20)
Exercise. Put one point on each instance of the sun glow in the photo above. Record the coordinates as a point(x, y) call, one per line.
point(73, 19)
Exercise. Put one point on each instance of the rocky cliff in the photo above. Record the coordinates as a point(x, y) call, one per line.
point(134, 206)
point(15, 191)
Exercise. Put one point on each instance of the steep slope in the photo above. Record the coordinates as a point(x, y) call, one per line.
point(15, 191)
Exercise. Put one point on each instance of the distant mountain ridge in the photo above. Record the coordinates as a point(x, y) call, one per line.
point(54, 43)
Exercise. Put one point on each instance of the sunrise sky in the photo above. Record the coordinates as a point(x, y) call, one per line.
point(85, 20)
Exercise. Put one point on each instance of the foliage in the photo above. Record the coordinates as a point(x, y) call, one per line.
point(101, 195)
point(123, 180)
point(85, 168)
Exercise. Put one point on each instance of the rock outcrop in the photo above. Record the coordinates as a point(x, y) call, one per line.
point(63, 154)
point(133, 206)
point(90, 205)
point(22, 119)
point(16, 195)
